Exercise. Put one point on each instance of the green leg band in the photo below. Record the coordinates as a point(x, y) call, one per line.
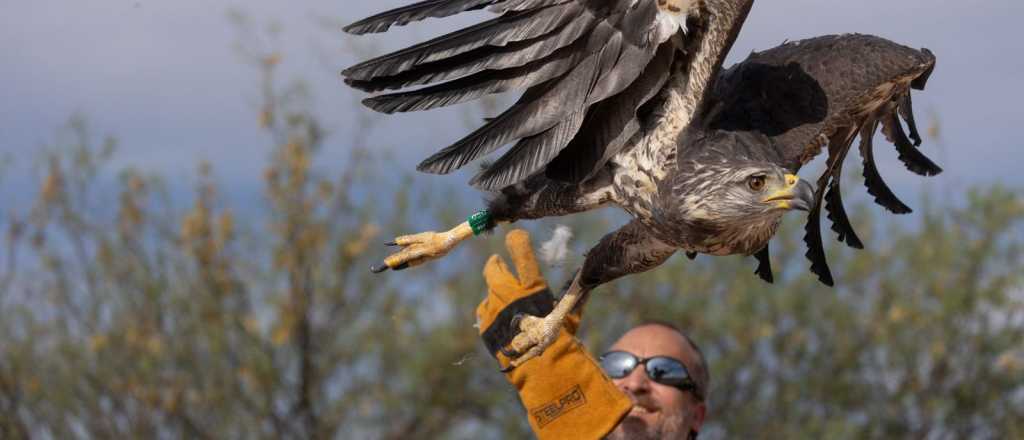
point(480, 222)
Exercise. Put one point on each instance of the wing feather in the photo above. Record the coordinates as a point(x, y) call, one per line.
point(872, 179)
point(574, 59)
point(764, 265)
point(415, 12)
point(563, 96)
point(514, 54)
point(836, 211)
point(908, 152)
point(808, 94)
point(619, 67)
point(838, 146)
point(475, 86)
point(529, 155)
point(610, 66)
point(498, 32)
point(611, 123)
point(907, 113)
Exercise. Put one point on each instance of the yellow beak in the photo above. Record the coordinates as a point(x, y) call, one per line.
point(795, 194)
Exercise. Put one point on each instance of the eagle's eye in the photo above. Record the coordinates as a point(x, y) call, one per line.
point(756, 183)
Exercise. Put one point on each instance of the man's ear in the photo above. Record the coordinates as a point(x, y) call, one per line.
point(698, 416)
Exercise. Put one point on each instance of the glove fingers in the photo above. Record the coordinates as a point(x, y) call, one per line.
point(519, 247)
point(496, 269)
point(499, 278)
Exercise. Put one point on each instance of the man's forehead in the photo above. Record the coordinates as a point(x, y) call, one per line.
point(656, 340)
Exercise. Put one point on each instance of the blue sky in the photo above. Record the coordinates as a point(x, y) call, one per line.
point(165, 79)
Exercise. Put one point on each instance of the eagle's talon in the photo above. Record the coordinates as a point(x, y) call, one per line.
point(517, 319)
point(535, 335)
point(534, 352)
point(417, 249)
point(514, 324)
point(378, 268)
point(509, 353)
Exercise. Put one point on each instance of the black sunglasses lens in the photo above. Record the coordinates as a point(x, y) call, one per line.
point(667, 371)
point(617, 364)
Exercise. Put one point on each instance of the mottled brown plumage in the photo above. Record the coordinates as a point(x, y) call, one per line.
point(625, 104)
point(825, 91)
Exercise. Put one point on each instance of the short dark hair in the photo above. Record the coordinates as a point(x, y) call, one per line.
point(701, 374)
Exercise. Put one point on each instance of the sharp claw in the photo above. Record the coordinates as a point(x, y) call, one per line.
point(402, 266)
point(509, 368)
point(516, 320)
point(509, 353)
point(534, 352)
point(378, 268)
point(390, 243)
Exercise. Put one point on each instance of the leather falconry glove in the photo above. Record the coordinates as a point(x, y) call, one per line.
point(564, 391)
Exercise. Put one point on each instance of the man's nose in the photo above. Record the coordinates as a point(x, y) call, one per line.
point(635, 382)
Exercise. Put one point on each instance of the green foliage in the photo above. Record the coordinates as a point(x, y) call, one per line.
point(125, 317)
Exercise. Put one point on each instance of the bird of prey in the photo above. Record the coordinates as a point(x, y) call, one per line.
point(625, 103)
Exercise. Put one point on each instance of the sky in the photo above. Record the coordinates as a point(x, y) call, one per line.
point(166, 79)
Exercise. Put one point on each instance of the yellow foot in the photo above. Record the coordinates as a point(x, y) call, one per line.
point(420, 248)
point(535, 336)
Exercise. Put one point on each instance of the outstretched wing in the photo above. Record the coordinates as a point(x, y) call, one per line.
point(826, 91)
point(586, 67)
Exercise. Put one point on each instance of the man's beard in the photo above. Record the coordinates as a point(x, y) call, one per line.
point(633, 428)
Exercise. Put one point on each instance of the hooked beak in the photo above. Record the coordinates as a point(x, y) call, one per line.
point(796, 194)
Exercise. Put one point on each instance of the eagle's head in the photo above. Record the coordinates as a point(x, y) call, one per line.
point(730, 193)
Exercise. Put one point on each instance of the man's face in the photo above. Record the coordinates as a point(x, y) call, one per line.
point(659, 411)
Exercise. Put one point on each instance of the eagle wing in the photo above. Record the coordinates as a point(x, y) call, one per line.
point(586, 67)
point(826, 91)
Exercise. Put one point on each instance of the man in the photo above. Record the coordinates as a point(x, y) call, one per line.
point(659, 377)
point(668, 395)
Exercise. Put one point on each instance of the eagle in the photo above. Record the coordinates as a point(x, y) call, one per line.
point(626, 103)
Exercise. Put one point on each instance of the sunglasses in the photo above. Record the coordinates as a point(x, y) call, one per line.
point(661, 369)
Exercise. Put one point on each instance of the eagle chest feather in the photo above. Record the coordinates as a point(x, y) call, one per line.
point(640, 169)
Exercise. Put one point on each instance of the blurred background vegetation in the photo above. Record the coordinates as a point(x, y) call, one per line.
point(126, 313)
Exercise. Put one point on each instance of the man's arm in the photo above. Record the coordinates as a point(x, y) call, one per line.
point(564, 391)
